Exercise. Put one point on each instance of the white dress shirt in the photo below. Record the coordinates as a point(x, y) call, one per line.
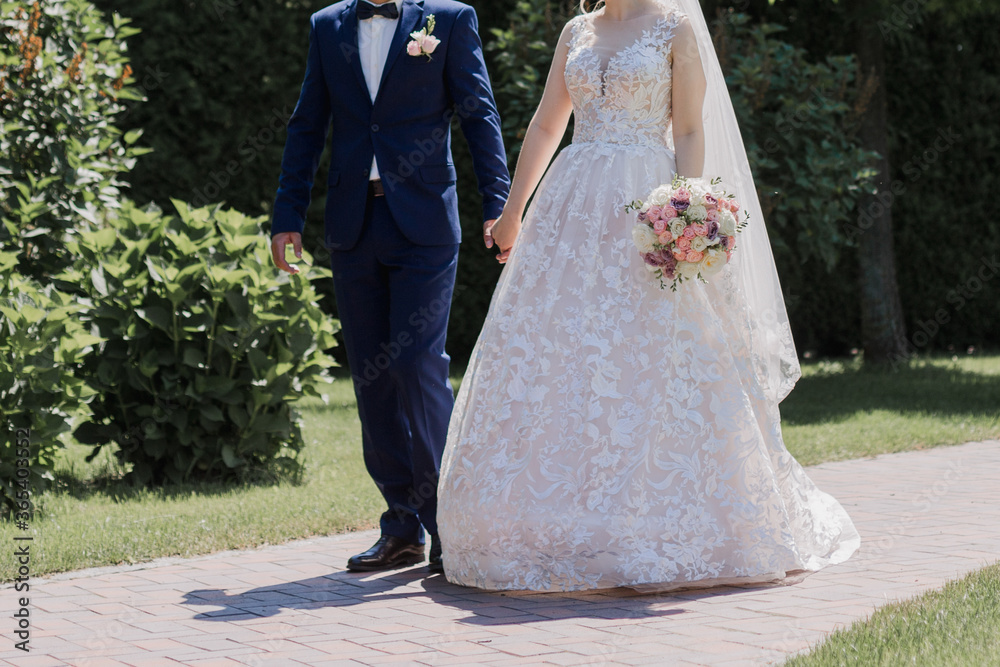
point(374, 39)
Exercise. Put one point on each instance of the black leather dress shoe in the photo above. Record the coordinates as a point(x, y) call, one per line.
point(388, 553)
point(434, 563)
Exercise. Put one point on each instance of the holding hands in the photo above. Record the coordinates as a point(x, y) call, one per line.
point(502, 232)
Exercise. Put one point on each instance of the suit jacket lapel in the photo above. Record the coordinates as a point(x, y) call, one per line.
point(411, 14)
point(350, 45)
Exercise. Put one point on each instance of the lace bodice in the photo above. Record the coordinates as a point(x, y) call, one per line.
point(626, 97)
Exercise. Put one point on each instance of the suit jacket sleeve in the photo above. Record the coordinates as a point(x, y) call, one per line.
point(306, 138)
point(472, 96)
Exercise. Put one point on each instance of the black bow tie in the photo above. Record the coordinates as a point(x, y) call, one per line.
point(367, 10)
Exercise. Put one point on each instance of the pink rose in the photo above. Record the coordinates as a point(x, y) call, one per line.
point(711, 201)
point(654, 213)
point(682, 194)
point(413, 48)
point(694, 256)
point(713, 216)
point(659, 226)
point(668, 213)
point(666, 237)
point(684, 243)
point(689, 232)
point(679, 254)
point(429, 43)
point(730, 242)
point(700, 230)
point(734, 206)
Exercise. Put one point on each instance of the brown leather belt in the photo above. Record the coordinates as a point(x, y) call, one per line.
point(375, 189)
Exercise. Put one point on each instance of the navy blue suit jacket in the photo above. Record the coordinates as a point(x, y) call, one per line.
point(408, 128)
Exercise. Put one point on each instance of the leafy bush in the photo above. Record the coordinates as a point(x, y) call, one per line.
point(206, 347)
point(42, 342)
point(64, 77)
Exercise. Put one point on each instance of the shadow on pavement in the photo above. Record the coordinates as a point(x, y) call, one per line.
point(348, 589)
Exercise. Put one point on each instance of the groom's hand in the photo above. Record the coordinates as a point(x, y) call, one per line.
point(278, 244)
point(503, 233)
point(488, 232)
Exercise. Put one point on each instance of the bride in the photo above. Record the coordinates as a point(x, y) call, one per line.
point(609, 432)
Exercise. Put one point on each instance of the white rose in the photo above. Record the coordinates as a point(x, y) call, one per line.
point(699, 189)
point(727, 223)
point(688, 269)
point(677, 227)
point(699, 243)
point(697, 212)
point(660, 196)
point(644, 238)
point(714, 261)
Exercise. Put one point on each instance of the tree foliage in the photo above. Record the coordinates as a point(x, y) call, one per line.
point(64, 78)
point(798, 120)
point(941, 86)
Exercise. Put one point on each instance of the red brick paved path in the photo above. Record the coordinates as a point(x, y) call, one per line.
point(925, 518)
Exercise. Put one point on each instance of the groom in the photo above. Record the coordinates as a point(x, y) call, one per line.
point(392, 227)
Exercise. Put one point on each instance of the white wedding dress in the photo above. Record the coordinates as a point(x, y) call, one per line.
point(609, 432)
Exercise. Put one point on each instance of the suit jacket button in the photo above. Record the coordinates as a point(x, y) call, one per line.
point(374, 127)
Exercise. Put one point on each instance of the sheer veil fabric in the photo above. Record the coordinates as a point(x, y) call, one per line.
point(765, 319)
point(610, 433)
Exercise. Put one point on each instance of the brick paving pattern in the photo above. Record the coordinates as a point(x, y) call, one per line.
point(925, 518)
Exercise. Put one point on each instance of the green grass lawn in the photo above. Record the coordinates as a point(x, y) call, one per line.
point(837, 411)
point(958, 626)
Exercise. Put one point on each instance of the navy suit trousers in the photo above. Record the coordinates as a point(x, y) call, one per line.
point(393, 300)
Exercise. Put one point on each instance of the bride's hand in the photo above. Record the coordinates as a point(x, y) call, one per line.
point(504, 233)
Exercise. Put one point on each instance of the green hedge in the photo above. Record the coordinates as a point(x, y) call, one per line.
point(944, 92)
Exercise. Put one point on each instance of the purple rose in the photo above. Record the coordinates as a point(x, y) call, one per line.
point(662, 259)
point(669, 262)
point(642, 216)
point(713, 230)
point(680, 205)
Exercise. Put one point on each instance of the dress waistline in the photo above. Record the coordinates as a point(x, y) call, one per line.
point(612, 146)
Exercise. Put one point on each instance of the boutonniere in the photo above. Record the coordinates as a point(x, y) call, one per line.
point(423, 43)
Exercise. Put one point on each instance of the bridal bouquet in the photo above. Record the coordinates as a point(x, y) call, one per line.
point(687, 229)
